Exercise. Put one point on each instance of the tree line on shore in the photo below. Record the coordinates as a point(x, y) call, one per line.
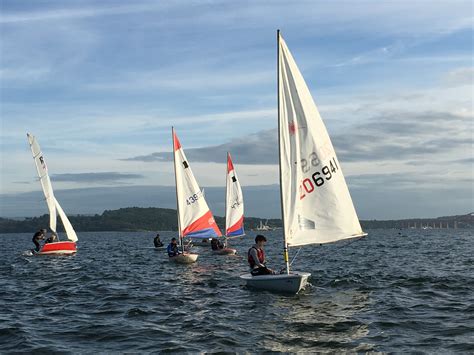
point(160, 219)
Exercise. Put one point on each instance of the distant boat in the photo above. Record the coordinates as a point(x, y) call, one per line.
point(316, 205)
point(60, 247)
point(234, 207)
point(195, 220)
point(263, 227)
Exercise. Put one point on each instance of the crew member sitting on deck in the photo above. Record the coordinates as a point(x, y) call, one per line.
point(39, 235)
point(158, 243)
point(53, 238)
point(216, 244)
point(173, 248)
point(256, 257)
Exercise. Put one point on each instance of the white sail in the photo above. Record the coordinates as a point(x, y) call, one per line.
point(44, 179)
point(70, 232)
point(234, 210)
point(53, 204)
point(194, 217)
point(317, 206)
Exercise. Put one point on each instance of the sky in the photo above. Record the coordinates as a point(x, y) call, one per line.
point(100, 83)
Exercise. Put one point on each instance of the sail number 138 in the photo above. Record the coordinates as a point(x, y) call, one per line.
point(318, 178)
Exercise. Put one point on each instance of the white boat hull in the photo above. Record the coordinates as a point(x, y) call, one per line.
point(285, 283)
point(186, 258)
point(225, 251)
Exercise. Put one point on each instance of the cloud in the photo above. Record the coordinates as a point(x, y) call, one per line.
point(258, 148)
point(72, 13)
point(391, 136)
point(103, 177)
point(459, 77)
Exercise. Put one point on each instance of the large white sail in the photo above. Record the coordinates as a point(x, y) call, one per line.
point(234, 209)
point(70, 232)
point(194, 217)
point(44, 179)
point(317, 206)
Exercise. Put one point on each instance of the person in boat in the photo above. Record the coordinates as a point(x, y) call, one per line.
point(173, 249)
point(157, 242)
point(216, 244)
point(256, 258)
point(39, 235)
point(53, 238)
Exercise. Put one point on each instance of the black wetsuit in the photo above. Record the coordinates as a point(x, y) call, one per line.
point(157, 242)
point(36, 238)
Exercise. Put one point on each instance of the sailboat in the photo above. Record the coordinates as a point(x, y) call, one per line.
point(263, 227)
point(195, 220)
point(315, 201)
point(60, 247)
point(234, 208)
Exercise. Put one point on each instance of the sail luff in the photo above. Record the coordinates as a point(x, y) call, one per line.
point(44, 179)
point(281, 158)
point(175, 148)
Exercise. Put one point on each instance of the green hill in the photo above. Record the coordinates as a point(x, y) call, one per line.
point(154, 219)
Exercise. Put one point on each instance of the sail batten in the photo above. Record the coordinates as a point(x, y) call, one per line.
point(195, 220)
point(317, 206)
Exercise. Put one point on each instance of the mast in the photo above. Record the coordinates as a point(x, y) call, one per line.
point(176, 183)
point(226, 191)
point(285, 244)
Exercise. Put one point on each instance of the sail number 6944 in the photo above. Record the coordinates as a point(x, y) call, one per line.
point(318, 178)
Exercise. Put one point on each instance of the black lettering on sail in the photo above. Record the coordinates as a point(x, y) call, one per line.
point(234, 179)
point(185, 164)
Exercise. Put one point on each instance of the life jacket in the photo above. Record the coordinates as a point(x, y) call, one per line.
point(260, 255)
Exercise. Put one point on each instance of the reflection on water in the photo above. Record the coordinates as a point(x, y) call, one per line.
point(384, 293)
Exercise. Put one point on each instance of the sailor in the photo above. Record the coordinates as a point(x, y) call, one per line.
point(173, 248)
point(157, 242)
point(53, 238)
point(39, 235)
point(216, 244)
point(256, 257)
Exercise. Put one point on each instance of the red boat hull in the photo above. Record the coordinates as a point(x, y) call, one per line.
point(58, 248)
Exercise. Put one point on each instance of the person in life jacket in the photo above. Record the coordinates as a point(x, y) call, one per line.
point(256, 257)
point(173, 248)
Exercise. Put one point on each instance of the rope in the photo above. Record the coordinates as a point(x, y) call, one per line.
point(291, 263)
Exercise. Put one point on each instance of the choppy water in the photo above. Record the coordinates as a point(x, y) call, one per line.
point(385, 293)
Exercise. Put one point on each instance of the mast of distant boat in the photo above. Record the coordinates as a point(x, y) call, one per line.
point(285, 244)
point(176, 183)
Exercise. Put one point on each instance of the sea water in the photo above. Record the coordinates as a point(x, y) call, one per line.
point(394, 291)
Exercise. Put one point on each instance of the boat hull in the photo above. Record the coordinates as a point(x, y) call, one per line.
point(58, 248)
point(225, 251)
point(186, 258)
point(284, 283)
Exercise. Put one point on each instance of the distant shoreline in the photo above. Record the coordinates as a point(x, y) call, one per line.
point(136, 219)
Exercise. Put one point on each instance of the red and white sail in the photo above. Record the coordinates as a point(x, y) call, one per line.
point(53, 204)
point(317, 206)
point(234, 210)
point(194, 217)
